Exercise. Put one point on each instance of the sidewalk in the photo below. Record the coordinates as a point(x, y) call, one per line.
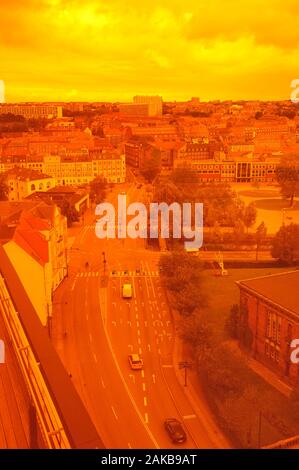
point(196, 397)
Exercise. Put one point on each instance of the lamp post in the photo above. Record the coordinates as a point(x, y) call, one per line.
point(104, 262)
point(185, 365)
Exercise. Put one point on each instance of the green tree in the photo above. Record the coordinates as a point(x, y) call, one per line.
point(239, 231)
point(249, 216)
point(260, 236)
point(69, 211)
point(151, 165)
point(97, 189)
point(285, 245)
point(3, 189)
point(287, 174)
point(232, 322)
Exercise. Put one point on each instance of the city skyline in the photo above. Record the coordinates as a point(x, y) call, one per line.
point(90, 51)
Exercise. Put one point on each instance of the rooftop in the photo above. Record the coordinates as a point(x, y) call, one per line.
point(281, 289)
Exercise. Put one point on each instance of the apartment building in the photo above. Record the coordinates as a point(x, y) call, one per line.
point(32, 111)
point(73, 167)
point(155, 104)
point(22, 182)
point(34, 236)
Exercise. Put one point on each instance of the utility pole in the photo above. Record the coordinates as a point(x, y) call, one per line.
point(104, 262)
point(185, 365)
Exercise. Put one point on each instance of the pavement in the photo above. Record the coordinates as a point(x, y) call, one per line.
point(95, 329)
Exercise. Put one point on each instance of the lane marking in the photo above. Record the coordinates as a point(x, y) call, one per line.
point(154, 378)
point(149, 347)
point(189, 416)
point(143, 387)
point(142, 374)
point(90, 337)
point(139, 341)
point(140, 351)
point(137, 323)
point(145, 401)
point(138, 332)
point(114, 412)
point(95, 357)
point(146, 418)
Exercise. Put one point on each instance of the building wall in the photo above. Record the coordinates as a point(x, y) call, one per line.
point(20, 188)
point(272, 329)
point(35, 278)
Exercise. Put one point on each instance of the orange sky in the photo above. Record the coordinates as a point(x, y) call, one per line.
point(78, 50)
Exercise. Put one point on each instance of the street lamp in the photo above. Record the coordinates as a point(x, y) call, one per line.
point(104, 262)
point(185, 365)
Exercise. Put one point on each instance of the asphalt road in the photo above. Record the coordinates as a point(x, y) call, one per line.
point(95, 329)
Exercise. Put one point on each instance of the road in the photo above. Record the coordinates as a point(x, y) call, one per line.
point(94, 330)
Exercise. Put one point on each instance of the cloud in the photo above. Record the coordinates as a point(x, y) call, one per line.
point(112, 50)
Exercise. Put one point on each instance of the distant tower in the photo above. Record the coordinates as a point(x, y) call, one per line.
point(2, 91)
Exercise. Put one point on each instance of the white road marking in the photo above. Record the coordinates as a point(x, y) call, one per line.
point(90, 337)
point(137, 316)
point(149, 347)
point(140, 351)
point(138, 332)
point(142, 374)
point(136, 309)
point(132, 377)
point(145, 323)
point(116, 417)
point(86, 315)
point(146, 418)
point(139, 341)
point(154, 378)
point(129, 323)
point(143, 387)
point(103, 383)
point(167, 366)
point(95, 357)
point(145, 401)
point(137, 324)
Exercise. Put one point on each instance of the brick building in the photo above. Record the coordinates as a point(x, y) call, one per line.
point(272, 303)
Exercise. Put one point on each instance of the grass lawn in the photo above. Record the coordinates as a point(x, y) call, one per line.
point(240, 416)
point(223, 292)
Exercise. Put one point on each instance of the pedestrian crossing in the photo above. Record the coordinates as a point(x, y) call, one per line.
point(119, 274)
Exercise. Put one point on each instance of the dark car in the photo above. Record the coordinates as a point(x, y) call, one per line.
point(175, 430)
point(126, 272)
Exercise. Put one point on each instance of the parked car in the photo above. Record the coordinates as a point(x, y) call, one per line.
point(175, 430)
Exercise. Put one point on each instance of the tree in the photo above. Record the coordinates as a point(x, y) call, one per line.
point(260, 235)
point(285, 245)
point(232, 322)
point(288, 178)
point(69, 211)
point(98, 188)
point(249, 216)
point(239, 231)
point(3, 189)
point(183, 277)
point(151, 165)
point(167, 192)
